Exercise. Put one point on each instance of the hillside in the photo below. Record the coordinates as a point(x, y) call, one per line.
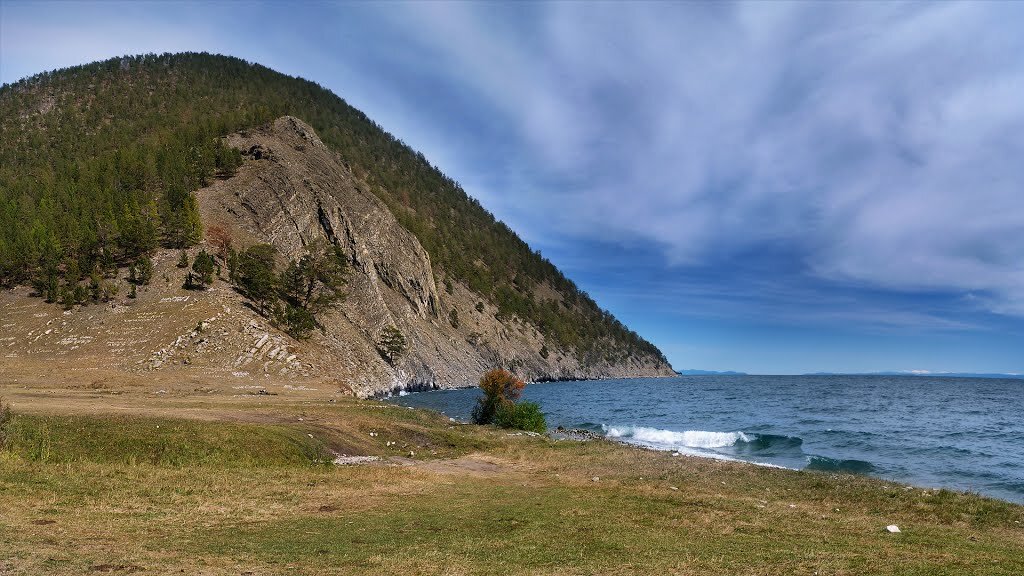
point(132, 160)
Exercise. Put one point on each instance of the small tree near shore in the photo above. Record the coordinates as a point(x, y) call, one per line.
point(499, 387)
point(502, 390)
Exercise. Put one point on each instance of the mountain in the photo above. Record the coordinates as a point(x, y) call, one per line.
point(112, 170)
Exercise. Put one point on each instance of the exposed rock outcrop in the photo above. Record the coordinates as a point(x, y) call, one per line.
point(296, 192)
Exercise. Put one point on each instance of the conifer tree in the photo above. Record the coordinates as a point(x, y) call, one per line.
point(143, 270)
point(391, 344)
point(203, 267)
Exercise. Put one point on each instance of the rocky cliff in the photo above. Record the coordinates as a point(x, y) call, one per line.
point(293, 190)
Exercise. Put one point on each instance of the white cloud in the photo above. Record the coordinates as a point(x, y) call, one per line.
point(881, 141)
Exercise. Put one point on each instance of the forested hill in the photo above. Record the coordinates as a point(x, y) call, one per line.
point(98, 165)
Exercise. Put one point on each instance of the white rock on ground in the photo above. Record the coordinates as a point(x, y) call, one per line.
point(349, 460)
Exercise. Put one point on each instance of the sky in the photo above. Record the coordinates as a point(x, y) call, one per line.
point(767, 187)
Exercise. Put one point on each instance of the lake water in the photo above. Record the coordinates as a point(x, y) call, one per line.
point(959, 433)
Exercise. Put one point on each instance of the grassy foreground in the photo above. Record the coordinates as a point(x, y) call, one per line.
point(248, 489)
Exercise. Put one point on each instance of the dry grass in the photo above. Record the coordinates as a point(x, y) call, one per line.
point(234, 485)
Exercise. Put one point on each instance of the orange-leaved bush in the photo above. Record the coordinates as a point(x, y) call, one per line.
point(499, 387)
point(498, 404)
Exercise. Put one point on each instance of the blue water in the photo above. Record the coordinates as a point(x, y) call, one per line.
point(958, 433)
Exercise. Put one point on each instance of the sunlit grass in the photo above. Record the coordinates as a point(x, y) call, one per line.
point(83, 494)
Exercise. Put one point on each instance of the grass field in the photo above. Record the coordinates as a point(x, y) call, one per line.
point(229, 485)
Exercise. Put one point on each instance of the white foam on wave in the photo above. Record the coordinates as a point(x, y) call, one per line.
point(693, 443)
point(670, 439)
point(692, 453)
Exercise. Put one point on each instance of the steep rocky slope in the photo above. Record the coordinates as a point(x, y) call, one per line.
point(291, 191)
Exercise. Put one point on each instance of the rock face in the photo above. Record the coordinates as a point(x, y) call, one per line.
point(292, 191)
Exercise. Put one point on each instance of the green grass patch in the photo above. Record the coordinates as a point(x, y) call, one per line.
point(173, 496)
point(160, 441)
point(488, 527)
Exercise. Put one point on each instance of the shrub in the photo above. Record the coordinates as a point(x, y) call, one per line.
point(499, 387)
point(522, 416)
point(221, 240)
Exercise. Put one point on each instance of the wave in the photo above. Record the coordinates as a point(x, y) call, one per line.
point(670, 438)
point(743, 442)
point(700, 443)
point(771, 444)
point(825, 464)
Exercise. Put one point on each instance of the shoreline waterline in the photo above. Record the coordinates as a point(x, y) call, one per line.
point(952, 433)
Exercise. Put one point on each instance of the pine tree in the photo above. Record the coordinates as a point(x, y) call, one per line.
point(143, 270)
point(204, 268)
point(316, 281)
point(255, 276)
point(391, 344)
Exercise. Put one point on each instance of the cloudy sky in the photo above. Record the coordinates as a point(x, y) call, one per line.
point(766, 187)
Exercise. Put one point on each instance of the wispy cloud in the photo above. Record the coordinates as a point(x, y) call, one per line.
point(881, 141)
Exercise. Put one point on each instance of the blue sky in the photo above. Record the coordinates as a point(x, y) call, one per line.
point(765, 187)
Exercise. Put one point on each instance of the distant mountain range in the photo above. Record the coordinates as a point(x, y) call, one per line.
point(889, 373)
point(921, 373)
